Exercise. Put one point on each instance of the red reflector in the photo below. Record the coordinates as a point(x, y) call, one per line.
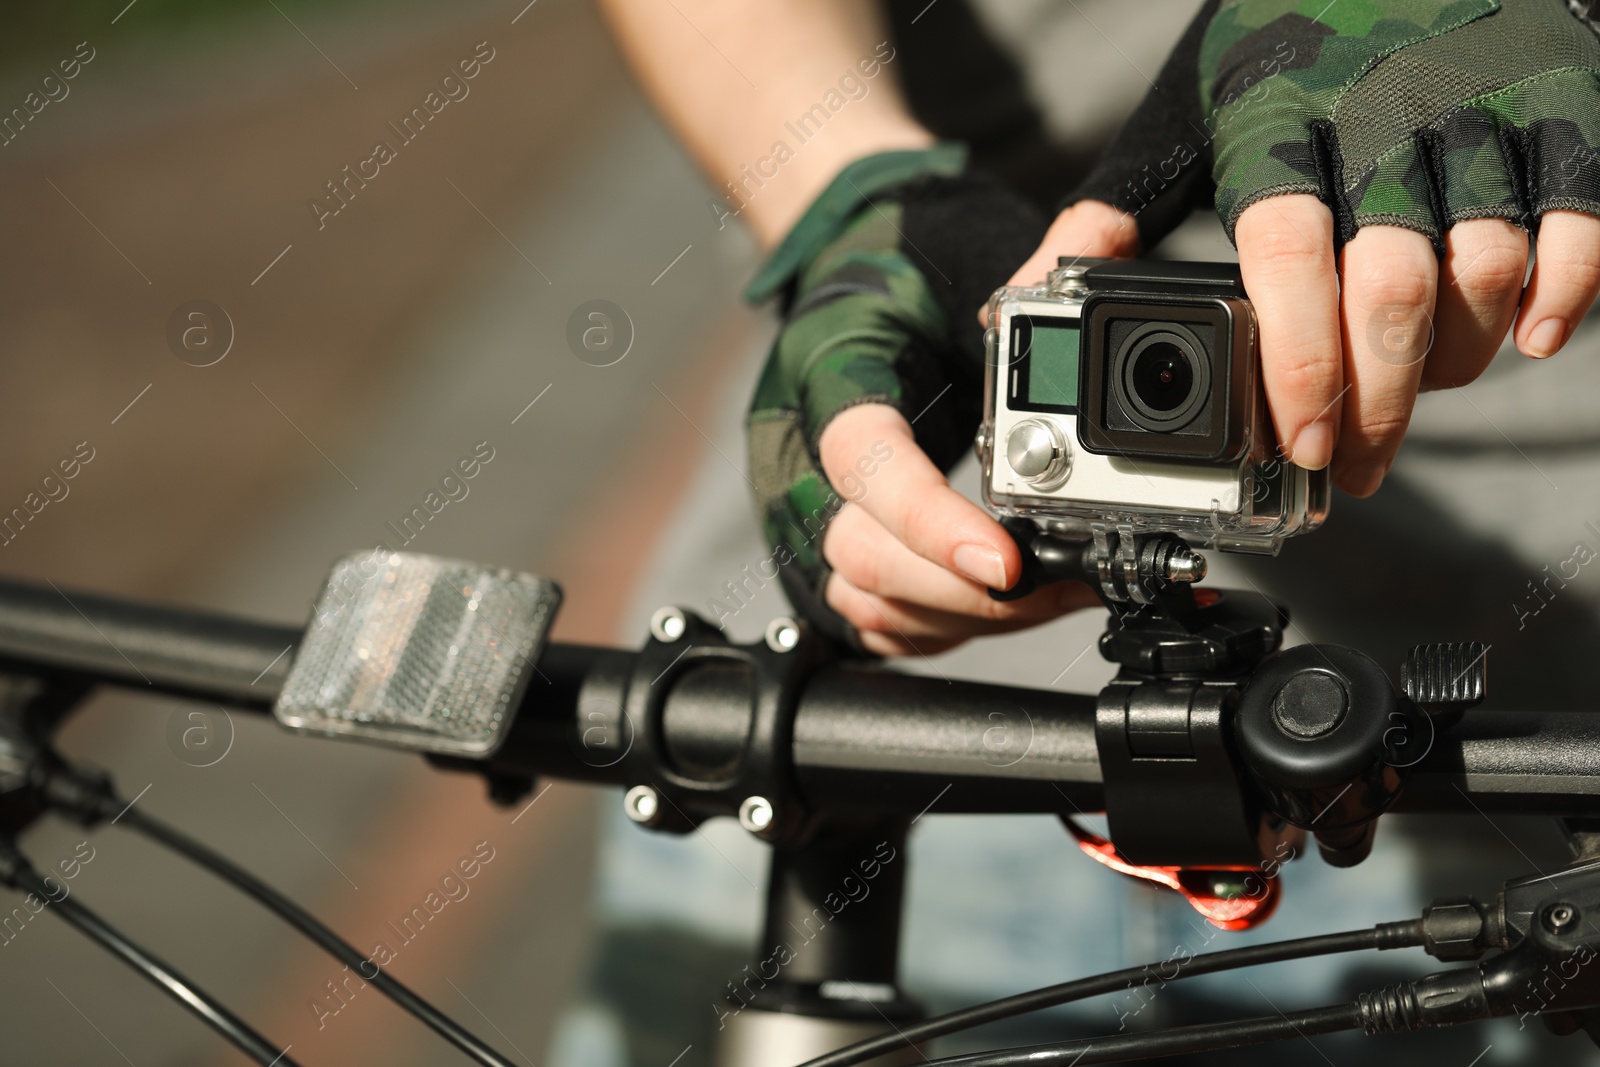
point(1232, 898)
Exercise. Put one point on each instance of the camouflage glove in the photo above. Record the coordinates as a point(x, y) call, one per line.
point(1157, 168)
point(1413, 113)
point(880, 283)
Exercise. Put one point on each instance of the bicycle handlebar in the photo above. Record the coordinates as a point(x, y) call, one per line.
point(176, 651)
point(866, 739)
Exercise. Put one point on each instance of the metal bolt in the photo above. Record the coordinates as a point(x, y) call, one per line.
point(1185, 565)
point(668, 624)
point(783, 634)
point(642, 804)
point(1560, 918)
point(1068, 277)
point(755, 814)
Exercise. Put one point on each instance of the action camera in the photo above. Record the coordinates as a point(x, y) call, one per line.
point(1127, 394)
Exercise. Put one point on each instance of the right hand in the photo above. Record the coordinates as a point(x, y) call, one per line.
point(913, 560)
point(872, 391)
point(1086, 230)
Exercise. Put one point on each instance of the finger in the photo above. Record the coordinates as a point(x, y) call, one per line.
point(1286, 258)
point(1390, 279)
point(1480, 284)
point(914, 624)
point(1566, 277)
point(894, 645)
point(909, 496)
point(1088, 228)
point(872, 560)
point(875, 628)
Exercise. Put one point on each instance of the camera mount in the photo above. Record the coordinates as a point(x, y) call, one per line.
point(1314, 739)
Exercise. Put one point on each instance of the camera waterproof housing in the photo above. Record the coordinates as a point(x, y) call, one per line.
point(1126, 395)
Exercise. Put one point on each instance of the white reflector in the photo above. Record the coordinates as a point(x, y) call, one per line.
point(418, 652)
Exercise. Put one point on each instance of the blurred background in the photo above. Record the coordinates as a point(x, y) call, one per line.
point(344, 362)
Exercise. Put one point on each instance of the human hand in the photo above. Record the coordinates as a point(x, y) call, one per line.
point(912, 559)
point(871, 393)
point(1342, 368)
point(1088, 229)
point(1406, 152)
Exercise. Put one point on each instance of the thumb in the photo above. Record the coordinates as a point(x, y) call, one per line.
point(1087, 228)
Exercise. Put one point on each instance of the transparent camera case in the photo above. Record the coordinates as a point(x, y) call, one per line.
point(1248, 501)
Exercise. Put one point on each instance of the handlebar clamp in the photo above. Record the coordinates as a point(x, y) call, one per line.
point(685, 774)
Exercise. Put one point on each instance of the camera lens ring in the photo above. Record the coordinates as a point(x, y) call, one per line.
point(1158, 340)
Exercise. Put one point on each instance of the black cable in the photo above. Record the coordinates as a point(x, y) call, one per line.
point(21, 874)
point(312, 928)
point(1384, 936)
point(1176, 1041)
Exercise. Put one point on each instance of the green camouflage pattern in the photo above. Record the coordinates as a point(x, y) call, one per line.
point(859, 309)
point(1415, 113)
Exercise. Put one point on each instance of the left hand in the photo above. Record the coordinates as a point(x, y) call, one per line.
point(1406, 149)
point(1342, 366)
point(1383, 234)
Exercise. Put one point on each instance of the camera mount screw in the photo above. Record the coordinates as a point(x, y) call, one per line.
point(1170, 558)
point(1185, 565)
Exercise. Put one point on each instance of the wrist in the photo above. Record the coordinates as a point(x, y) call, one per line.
point(779, 205)
point(827, 214)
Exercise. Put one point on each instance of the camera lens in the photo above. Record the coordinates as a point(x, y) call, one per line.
point(1161, 376)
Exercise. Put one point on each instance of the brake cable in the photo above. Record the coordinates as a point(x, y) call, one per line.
point(314, 930)
point(1384, 936)
point(90, 798)
point(1173, 1041)
point(1539, 923)
point(17, 872)
point(1540, 977)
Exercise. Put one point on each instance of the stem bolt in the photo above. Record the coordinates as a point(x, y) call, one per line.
point(783, 634)
point(642, 804)
point(668, 624)
point(1560, 918)
point(755, 814)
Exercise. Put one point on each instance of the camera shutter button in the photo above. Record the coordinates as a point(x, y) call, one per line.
point(1037, 451)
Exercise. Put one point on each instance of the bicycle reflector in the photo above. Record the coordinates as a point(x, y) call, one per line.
point(418, 652)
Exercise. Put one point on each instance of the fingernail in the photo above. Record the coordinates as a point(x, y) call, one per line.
point(1313, 447)
point(1546, 338)
point(982, 564)
point(1363, 479)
